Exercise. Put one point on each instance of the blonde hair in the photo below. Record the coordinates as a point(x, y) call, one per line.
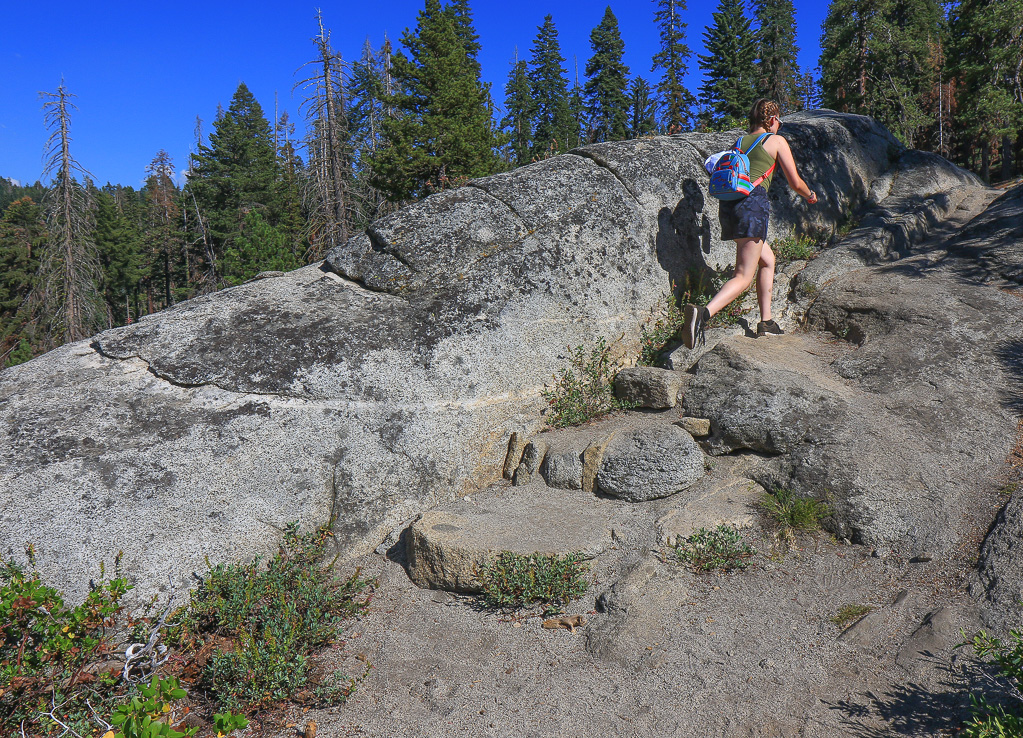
point(761, 113)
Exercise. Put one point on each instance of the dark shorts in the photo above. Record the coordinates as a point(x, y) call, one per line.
point(746, 218)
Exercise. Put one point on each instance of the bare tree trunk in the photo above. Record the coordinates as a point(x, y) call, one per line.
point(69, 269)
point(1006, 158)
point(330, 222)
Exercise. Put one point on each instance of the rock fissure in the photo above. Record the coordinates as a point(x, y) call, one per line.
point(589, 155)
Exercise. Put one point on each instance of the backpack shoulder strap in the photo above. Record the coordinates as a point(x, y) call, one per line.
point(762, 137)
point(738, 145)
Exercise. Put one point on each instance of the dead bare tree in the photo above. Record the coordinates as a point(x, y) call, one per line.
point(67, 296)
point(328, 195)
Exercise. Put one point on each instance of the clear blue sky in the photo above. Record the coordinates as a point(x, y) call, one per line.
point(143, 71)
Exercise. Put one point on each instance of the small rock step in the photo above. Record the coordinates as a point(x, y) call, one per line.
point(448, 544)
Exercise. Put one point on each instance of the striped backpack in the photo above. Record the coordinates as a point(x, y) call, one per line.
point(730, 178)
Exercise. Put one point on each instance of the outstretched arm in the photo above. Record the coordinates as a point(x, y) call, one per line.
point(788, 168)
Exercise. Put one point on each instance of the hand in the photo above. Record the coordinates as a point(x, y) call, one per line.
point(812, 199)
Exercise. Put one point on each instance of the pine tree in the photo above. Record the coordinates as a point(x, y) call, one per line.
point(519, 106)
point(22, 239)
point(607, 83)
point(366, 112)
point(552, 121)
point(122, 262)
point(986, 57)
point(730, 77)
point(237, 172)
point(580, 131)
point(778, 66)
point(676, 102)
point(162, 232)
point(67, 296)
point(259, 247)
point(877, 59)
point(643, 109)
point(442, 130)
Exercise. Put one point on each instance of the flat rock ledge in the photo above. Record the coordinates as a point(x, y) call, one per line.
point(447, 545)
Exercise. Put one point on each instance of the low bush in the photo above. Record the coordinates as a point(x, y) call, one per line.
point(585, 388)
point(246, 638)
point(512, 580)
point(268, 621)
point(46, 648)
point(998, 720)
point(719, 549)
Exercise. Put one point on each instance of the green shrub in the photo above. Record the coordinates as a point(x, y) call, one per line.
point(45, 648)
point(585, 388)
point(848, 613)
point(794, 514)
point(997, 720)
point(512, 580)
point(274, 616)
point(720, 549)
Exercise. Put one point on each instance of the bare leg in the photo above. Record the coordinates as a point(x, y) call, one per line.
point(747, 260)
point(765, 281)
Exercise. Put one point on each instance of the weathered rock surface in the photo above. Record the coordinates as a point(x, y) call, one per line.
point(369, 388)
point(649, 462)
point(447, 545)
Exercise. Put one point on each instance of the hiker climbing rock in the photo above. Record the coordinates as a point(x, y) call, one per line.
point(740, 179)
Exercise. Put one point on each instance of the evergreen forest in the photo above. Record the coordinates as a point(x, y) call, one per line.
point(409, 119)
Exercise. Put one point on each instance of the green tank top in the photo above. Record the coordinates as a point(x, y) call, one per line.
point(759, 160)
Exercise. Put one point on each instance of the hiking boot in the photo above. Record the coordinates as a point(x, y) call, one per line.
point(768, 328)
point(695, 319)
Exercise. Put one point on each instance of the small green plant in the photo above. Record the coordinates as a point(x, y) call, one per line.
point(794, 514)
point(275, 616)
point(992, 720)
point(1009, 489)
point(719, 549)
point(585, 388)
point(657, 333)
point(795, 248)
point(150, 713)
point(844, 229)
point(512, 580)
point(807, 289)
point(848, 613)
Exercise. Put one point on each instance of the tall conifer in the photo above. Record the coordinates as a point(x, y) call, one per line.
point(778, 65)
point(877, 59)
point(237, 171)
point(642, 109)
point(443, 129)
point(518, 104)
point(552, 120)
point(607, 82)
point(676, 101)
point(987, 58)
point(730, 77)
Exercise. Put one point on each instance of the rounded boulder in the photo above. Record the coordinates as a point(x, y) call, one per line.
point(648, 463)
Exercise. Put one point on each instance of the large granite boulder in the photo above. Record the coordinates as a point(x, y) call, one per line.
point(365, 389)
